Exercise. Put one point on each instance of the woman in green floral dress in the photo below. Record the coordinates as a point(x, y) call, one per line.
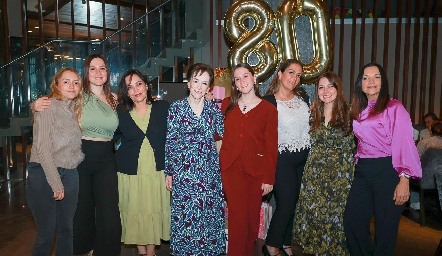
point(328, 173)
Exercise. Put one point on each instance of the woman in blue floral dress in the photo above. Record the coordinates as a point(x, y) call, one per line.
point(192, 168)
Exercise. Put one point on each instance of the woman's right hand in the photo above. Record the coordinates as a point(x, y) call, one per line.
point(40, 104)
point(169, 182)
point(59, 195)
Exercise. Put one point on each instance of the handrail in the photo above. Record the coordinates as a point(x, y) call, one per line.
point(84, 41)
point(46, 44)
point(131, 23)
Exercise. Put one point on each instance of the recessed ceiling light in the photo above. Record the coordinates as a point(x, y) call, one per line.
point(29, 31)
point(121, 18)
point(36, 27)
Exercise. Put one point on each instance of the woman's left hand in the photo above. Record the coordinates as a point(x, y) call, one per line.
point(169, 182)
point(402, 191)
point(209, 96)
point(266, 188)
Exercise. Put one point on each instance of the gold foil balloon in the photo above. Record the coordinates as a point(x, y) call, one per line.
point(317, 11)
point(255, 40)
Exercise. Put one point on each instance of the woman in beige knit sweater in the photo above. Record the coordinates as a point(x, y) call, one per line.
point(52, 186)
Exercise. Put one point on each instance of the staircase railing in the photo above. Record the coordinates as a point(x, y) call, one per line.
point(159, 37)
point(26, 78)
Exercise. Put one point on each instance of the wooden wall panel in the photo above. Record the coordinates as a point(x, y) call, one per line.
point(397, 54)
point(341, 41)
point(415, 61)
point(374, 39)
point(362, 36)
point(424, 61)
point(353, 49)
point(406, 69)
point(434, 50)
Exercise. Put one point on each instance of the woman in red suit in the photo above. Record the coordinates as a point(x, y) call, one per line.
point(248, 157)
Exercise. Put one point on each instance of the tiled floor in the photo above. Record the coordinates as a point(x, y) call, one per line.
point(17, 232)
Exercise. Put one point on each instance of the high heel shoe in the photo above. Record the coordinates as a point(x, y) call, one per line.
point(266, 252)
point(285, 252)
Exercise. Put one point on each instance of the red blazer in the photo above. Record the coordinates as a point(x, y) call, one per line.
point(255, 132)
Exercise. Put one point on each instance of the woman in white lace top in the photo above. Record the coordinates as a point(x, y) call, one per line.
point(293, 147)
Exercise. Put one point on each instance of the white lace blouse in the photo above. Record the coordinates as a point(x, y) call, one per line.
point(293, 125)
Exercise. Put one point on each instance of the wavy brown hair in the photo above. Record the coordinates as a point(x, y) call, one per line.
point(106, 86)
point(235, 94)
point(275, 84)
point(340, 119)
point(56, 94)
point(360, 101)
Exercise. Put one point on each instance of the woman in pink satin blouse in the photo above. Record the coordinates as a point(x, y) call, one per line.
point(386, 159)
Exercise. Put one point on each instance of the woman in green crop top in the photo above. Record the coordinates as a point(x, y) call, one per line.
point(97, 225)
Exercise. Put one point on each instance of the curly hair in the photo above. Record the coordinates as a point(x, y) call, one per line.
point(360, 101)
point(235, 94)
point(106, 86)
point(124, 100)
point(56, 94)
point(340, 118)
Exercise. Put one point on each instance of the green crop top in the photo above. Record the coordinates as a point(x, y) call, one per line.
point(98, 119)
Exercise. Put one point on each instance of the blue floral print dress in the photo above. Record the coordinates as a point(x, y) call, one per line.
point(197, 221)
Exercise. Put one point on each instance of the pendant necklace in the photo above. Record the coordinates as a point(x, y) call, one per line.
point(245, 105)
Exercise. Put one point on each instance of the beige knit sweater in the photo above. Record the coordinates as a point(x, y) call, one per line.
point(57, 141)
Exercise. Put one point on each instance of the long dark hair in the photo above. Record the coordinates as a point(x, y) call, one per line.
point(236, 94)
point(360, 101)
point(340, 113)
point(124, 100)
point(106, 86)
point(275, 83)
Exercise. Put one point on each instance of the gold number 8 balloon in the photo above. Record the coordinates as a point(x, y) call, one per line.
point(255, 40)
point(316, 10)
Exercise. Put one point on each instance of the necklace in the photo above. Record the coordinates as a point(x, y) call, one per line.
point(244, 108)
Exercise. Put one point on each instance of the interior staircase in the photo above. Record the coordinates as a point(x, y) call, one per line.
point(41, 63)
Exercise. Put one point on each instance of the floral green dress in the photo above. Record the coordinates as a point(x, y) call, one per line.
point(327, 179)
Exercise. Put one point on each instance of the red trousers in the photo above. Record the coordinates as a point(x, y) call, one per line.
point(244, 195)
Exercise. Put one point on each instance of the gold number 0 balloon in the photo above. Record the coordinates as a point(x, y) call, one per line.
point(316, 10)
point(255, 40)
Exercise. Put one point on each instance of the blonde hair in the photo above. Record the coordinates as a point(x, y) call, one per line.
point(56, 94)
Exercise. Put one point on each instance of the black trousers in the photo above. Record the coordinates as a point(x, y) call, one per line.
point(289, 171)
point(97, 224)
point(372, 194)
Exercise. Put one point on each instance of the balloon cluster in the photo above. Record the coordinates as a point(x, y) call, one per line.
point(256, 39)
